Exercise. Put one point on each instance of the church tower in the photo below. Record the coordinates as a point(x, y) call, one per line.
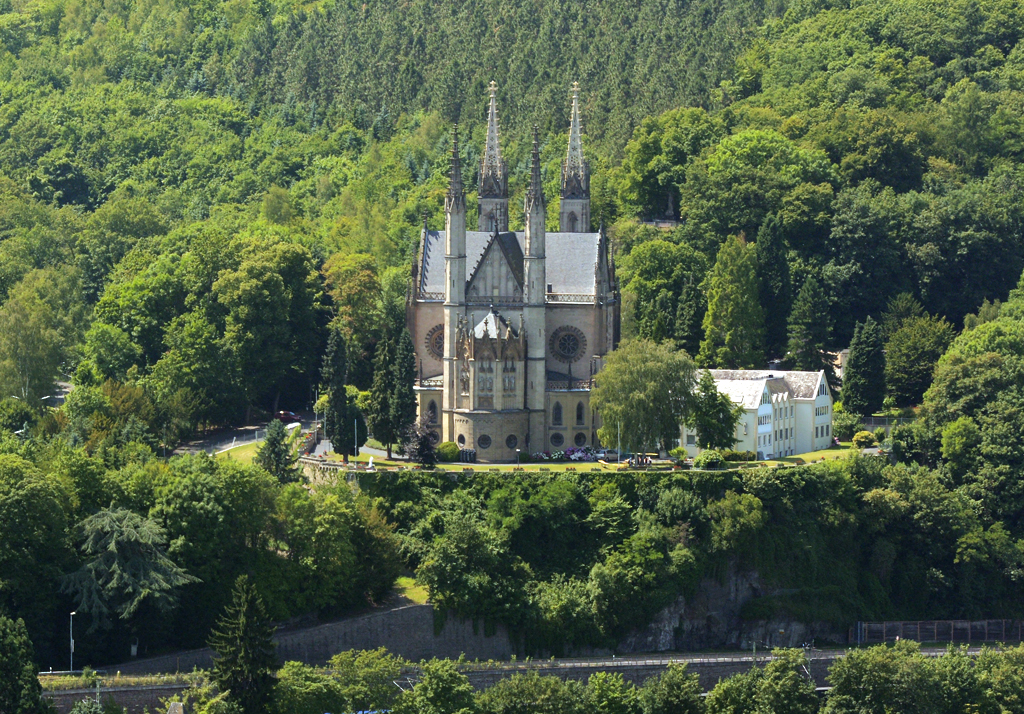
point(535, 297)
point(574, 213)
point(493, 192)
point(454, 283)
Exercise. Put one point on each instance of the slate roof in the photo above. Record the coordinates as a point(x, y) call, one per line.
point(744, 386)
point(571, 264)
point(492, 325)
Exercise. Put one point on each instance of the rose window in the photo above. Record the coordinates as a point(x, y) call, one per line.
point(568, 344)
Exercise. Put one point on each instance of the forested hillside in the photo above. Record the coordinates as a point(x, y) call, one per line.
point(193, 196)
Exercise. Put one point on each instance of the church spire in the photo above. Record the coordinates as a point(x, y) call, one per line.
point(575, 207)
point(456, 193)
point(493, 181)
point(535, 191)
point(493, 187)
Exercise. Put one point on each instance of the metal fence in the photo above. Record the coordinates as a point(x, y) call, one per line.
point(965, 631)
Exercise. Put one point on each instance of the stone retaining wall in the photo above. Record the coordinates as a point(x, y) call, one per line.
point(406, 631)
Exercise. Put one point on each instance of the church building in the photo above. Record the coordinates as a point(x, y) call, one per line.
point(511, 328)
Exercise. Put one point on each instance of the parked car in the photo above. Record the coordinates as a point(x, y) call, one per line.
point(287, 417)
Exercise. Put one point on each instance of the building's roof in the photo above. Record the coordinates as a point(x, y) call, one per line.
point(744, 386)
point(571, 264)
point(493, 325)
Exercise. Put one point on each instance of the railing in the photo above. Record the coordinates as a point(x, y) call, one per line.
point(432, 296)
point(575, 384)
point(570, 297)
point(431, 383)
point(938, 631)
point(496, 301)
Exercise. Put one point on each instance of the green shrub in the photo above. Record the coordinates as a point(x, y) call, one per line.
point(708, 459)
point(864, 439)
point(730, 455)
point(448, 451)
point(845, 425)
point(880, 434)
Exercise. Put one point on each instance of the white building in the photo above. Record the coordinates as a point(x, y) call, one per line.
point(785, 413)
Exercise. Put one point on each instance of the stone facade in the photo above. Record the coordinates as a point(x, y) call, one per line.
point(510, 328)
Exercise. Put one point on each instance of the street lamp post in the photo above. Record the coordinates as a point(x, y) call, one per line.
point(517, 457)
point(71, 631)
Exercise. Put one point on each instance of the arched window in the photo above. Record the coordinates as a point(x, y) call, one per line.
point(556, 414)
point(573, 223)
point(432, 412)
point(579, 414)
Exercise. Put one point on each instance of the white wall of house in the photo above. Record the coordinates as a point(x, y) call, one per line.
point(779, 423)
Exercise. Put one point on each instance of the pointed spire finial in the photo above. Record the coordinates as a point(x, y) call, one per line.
point(535, 191)
point(575, 172)
point(493, 180)
point(456, 193)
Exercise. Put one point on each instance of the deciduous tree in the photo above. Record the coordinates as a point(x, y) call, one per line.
point(645, 389)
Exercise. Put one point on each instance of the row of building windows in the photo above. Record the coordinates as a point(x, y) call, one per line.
point(764, 420)
point(821, 411)
point(820, 431)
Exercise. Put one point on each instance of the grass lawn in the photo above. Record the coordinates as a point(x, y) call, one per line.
point(836, 452)
point(407, 588)
point(244, 453)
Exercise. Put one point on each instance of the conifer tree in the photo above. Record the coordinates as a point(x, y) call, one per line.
point(810, 330)
point(382, 393)
point(734, 322)
point(403, 403)
point(775, 285)
point(243, 641)
point(341, 413)
point(276, 455)
point(864, 373)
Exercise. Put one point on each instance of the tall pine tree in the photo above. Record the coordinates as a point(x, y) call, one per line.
point(246, 659)
point(341, 413)
point(403, 404)
point(276, 455)
point(734, 322)
point(864, 373)
point(776, 290)
point(809, 332)
point(382, 393)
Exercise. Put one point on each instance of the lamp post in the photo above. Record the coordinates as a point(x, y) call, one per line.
point(517, 458)
point(71, 631)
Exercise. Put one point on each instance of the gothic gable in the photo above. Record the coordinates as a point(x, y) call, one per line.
point(498, 275)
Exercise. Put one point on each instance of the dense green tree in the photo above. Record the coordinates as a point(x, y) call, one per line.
point(810, 332)
point(864, 371)
point(734, 322)
point(713, 415)
point(30, 346)
point(276, 455)
point(535, 693)
point(402, 412)
point(674, 691)
point(343, 422)
point(774, 283)
point(442, 689)
point(245, 661)
point(661, 282)
point(382, 394)
point(15, 414)
point(786, 686)
point(910, 357)
point(126, 566)
point(20, 691)
point(901, 307)
point(645, 390)
point(419, 444)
